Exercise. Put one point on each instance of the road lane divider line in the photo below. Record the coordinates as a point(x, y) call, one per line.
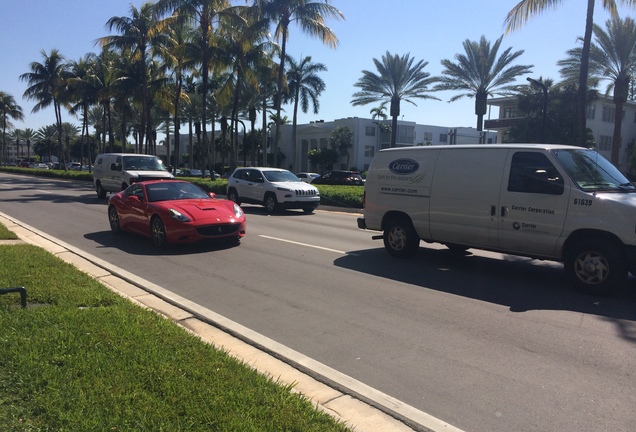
point(308, 245)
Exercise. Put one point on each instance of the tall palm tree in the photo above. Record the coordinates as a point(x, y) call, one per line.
point(83, 87)
point(480, 73)
point(310, 16)
point(304, 88)
point(205, 13)
point(397, 80)
point(138, 33)
point(28, 135)
point(47, 82)
point(613, 58)
point(526, 9)
point(46, 135)
point(9, 109)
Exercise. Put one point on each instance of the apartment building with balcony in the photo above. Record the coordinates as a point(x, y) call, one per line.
point(368, 139)
point(600, 119)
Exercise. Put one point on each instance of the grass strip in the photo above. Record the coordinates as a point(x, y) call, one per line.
point(5, 234)
point(81, 358)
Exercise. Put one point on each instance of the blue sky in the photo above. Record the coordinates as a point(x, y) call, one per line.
point(429, 30)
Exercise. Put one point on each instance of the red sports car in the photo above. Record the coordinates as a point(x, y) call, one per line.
point(174, 211)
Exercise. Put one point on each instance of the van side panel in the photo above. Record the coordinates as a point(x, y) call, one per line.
point(400, 181)
point(465, 196)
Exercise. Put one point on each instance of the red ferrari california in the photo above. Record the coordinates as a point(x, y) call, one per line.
point(174, 211)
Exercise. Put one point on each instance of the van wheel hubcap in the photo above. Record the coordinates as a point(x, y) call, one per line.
point(591, 267)
point(397, 238)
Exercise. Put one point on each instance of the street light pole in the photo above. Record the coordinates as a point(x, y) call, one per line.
point(543, 87)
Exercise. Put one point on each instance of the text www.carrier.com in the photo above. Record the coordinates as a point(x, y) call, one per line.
point(399, 190)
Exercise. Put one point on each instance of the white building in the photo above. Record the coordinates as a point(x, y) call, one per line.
point(600, 119)
point(367, 140)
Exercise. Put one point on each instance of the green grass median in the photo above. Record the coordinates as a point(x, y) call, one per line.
point(81, 358)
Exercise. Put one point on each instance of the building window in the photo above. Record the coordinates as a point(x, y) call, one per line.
point(405, 135)
point(608, 114)
point(591, 112)
point(369, 151)
point(510, 112)
point(370, 131)
point(428, 136)
point(443, 138)
point(605, 143)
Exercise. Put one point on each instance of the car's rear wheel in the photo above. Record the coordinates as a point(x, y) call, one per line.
point(113, 219)
point(400, 238)
point(158, 232)
point(270, 203)
point(232, 195)
point(101, 192)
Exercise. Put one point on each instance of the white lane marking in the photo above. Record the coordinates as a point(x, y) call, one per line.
point(308, 245)
point(43, 191)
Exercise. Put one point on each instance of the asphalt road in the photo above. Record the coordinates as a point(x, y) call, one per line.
point(485, 342)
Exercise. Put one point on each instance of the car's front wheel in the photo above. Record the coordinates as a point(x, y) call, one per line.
point(158, 232)
point(113, 219)
point(270, 203)
point(596, 266)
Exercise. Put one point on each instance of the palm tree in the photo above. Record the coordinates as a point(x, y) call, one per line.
point(9, 109)
point(479, 73)
point(304, 87)
point(47, 83)
point(138, 33)
point(310, 16)
point(526, 9)
point(398, 80)
point(28, 134)
point(342, 141)
point(204, 13)
point(613, 58)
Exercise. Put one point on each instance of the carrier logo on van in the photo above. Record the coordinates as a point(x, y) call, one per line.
point(403, 166)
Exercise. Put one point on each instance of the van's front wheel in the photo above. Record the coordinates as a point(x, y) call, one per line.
point(400, 238)
point(596, 267)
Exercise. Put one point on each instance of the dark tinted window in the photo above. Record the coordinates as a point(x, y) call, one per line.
point(532, 172)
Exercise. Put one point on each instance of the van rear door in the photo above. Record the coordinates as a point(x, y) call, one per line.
point(533, 204)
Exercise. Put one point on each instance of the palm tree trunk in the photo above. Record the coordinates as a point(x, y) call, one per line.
point(621, 91)
point(585, 61)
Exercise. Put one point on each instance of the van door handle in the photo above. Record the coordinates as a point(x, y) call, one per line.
point(503, 211)
point(493, 210)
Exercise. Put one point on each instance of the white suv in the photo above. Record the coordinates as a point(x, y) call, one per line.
point(273, 188)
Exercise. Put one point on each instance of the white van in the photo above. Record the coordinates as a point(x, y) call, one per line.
point(555, 202)
point(114, 172)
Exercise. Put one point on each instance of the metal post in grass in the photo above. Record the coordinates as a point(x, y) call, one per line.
point(21, 290)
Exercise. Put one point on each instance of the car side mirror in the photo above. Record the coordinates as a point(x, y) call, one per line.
point(212, 195)
point(134, 198)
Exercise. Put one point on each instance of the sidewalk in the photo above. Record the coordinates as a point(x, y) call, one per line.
point(362, 408)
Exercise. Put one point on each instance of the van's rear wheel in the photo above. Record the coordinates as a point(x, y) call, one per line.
point(400, 238)
point(596, 266)
point(101, 192)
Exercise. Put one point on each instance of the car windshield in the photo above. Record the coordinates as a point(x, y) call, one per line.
point(174, 191)
point(280, 176)
point(592, 172)
point(143, 163)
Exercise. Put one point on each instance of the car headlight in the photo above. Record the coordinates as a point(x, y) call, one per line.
point(238, 211)
point(178, 216)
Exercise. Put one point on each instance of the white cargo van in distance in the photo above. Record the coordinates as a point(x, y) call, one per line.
point(114, 172)
point(553, 202)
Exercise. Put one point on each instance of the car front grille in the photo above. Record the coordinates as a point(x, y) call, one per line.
point(303, 192)
point(218, 230)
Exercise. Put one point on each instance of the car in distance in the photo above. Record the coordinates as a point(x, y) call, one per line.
point(346, 178)
point(174, 211)
point(307, 177)
point(273, 188)
point(187, 172)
